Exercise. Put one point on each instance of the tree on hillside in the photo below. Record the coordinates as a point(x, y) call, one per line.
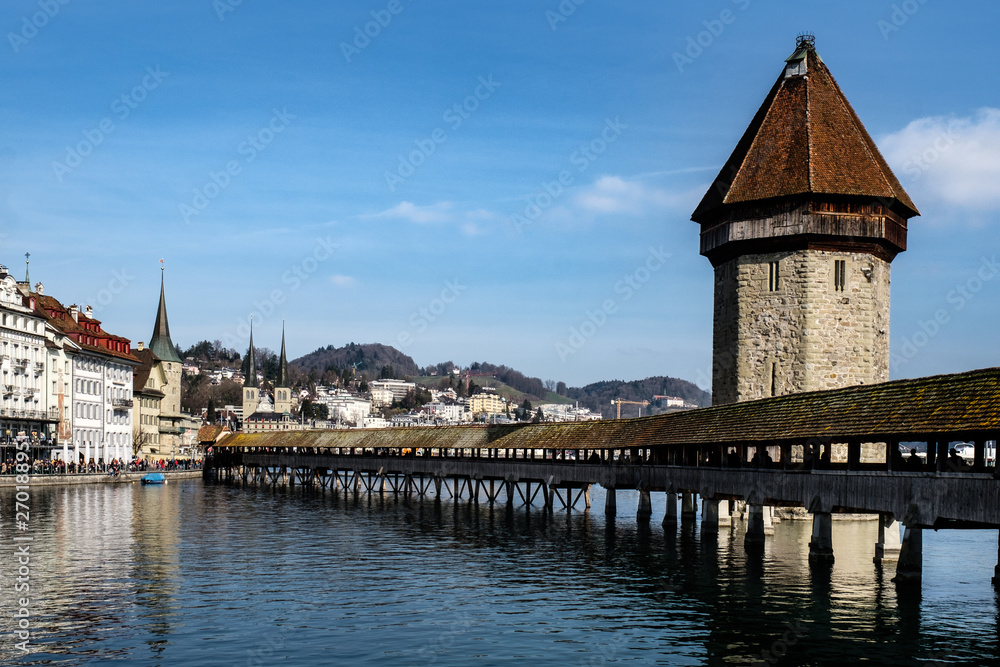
point(561, 388)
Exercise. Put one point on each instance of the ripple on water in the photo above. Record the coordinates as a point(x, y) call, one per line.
point(218, 575)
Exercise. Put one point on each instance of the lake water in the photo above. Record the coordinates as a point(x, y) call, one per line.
point(200, 574)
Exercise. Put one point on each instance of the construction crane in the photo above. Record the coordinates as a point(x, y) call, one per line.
point(475, 375)
point(619, 402)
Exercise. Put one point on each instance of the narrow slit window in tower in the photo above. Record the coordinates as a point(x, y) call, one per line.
point(772, 277)
point(839, 275)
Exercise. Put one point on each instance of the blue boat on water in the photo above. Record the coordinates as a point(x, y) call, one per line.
point(154, 478)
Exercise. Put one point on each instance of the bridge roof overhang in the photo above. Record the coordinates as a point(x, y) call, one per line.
point(942, 407)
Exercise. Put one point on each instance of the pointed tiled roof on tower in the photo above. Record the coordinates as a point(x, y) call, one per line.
point(250, 373)
point(283, 363)
point(805, 140)
point(160, 342)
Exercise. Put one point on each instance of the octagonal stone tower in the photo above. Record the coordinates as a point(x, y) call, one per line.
point(801, 225)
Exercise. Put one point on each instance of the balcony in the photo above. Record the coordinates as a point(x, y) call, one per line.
point(36, 415)
point(176, 430)
point(29, 393)
point(8, 389)
point(39, 367)
point(21, 363)
point(121, 403)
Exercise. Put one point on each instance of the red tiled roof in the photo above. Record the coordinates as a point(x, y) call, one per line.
point(85, 331)
point(805, 139)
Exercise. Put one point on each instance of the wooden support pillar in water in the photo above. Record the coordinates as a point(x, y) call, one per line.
point(645, 510)
point(888, 545)
point(724, 517)
point(821, 544)
point(610, 503)
point(670, 515)
point(911, 556)
point(689, 506)
point(768, 520)
point(709, 516)
point(754, 538)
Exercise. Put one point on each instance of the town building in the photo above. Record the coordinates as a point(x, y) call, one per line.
point(487, 404)
point(344, 407)
point(24, 406)
point(801, 225)
point(101, 381)
point(397, 390)
point(146, 404)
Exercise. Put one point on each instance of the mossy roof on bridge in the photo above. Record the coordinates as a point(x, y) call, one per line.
point(957, 405)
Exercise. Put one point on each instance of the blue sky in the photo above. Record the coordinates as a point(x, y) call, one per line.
point(380, 188)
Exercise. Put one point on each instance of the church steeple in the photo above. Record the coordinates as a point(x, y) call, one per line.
point(283, 363)
point(160, 342)
point(250, 383)
point(250, 378)
point(283, 388)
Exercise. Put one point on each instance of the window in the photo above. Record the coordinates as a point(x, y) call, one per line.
point(772, 378)
point(772, 277)
point(839, 275)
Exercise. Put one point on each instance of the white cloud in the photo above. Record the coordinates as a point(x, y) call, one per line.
point(613, 195)
point(342, 281)
point(955, 160)
point(422, 215)
point(470, 222)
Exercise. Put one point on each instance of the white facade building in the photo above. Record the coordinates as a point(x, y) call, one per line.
point(23, 402)
point(398, 388)
point(345, 407)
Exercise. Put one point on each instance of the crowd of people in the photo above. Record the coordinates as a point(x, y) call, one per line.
point(114, 467)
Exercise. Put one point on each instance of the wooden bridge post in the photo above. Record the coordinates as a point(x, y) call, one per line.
point(709, 516)
point(754, 538)
point(910, 565)
point(610, 503)
point(821, 544)
point(645, 510)
point(670, 516)
point(887, 547)
point(689, 506)
point(724, 517)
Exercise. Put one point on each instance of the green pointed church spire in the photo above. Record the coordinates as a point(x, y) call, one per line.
point(251, 372)
point(160, 342)
point(283, 364)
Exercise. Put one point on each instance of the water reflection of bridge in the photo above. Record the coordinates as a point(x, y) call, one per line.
point(831, 451)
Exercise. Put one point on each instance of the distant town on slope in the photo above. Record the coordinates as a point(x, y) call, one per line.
point(214, 374)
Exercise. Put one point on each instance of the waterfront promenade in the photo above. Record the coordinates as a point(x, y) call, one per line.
point(69, 479)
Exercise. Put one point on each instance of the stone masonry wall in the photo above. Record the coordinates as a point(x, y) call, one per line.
point(805, 335)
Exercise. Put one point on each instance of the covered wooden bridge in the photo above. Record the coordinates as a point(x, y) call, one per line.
point(830, 451)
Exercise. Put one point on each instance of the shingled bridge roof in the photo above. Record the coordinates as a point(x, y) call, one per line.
point(957, 405)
